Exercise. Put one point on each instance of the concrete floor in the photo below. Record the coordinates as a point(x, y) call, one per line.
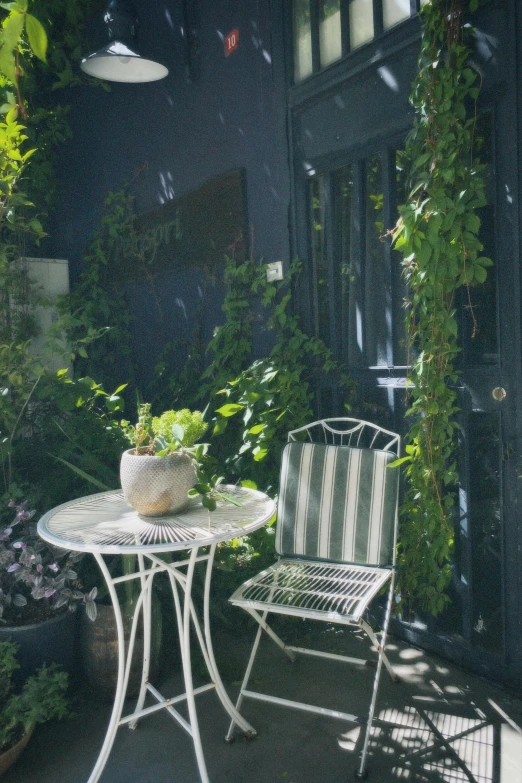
point(296, 747)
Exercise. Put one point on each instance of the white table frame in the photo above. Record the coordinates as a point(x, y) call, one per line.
point(150, 564)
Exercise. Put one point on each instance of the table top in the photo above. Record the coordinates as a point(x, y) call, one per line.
point(106, 524)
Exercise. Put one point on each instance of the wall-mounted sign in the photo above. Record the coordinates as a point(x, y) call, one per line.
point(231, 42)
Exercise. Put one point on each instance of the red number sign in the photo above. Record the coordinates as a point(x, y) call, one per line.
point(231, 42)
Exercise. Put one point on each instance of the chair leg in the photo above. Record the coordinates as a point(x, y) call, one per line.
point(370, 632)
point(271, 633)
point(262, 626)
point(230, 734)
point(361, 772)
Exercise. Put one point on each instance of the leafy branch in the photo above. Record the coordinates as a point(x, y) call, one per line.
point(438, 237)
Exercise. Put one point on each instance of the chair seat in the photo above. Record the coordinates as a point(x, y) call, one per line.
point(317, 590)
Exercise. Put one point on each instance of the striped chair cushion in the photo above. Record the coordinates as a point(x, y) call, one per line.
point(337, 503)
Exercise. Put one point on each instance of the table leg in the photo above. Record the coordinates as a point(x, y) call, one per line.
point(120, 687)
point(146, 588)
point(238, 719)
point(183, 616)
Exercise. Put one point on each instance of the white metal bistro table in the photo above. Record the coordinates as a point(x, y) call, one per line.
point(105, 524)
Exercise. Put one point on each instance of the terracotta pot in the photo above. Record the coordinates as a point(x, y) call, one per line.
point(156, 485)
point(10, 756)
point(99, 648)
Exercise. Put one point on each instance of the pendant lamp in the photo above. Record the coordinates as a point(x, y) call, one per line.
point(119, 60)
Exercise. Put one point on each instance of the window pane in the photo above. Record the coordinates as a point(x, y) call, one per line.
point(348, 268)
point(377, 311)
point(330, 31)
point(395, 11)
point(361, 22)
point(319, 258)
point(302, 40)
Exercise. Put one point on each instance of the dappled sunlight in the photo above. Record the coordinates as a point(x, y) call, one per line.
point(167, 192)
point(486, 45)
point(181, 304)
point(440, 731)
point(169, 19)
point(388, 78)
point(409, 653)
point(432, 743)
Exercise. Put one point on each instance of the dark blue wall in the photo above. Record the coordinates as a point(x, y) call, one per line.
point(229, 115)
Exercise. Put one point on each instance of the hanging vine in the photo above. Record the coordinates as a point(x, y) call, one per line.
point(437, 234)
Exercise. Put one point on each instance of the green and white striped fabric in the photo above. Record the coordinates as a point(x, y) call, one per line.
point(337, 503)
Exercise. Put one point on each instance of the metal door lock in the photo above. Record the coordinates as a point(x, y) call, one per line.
point(499, 393)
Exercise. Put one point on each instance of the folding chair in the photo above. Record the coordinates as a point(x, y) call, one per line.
point(336, 538)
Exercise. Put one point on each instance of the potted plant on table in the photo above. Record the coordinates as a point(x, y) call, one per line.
point(162, 467)
point(41, 698)
point(39, 591)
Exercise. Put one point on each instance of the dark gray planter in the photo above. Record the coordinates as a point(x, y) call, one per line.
point(51, 641)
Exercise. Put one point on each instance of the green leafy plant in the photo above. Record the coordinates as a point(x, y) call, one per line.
point(162, 435)
point(275, 394)
point(177, 429)
point(437, 234)
point(42, 698)
point(177, 432)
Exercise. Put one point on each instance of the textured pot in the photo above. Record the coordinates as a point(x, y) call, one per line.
point(156, 485)
point(50, 641)
point(99, 648)
point(10, 756)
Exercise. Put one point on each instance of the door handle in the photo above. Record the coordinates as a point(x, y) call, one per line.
point(499, 393)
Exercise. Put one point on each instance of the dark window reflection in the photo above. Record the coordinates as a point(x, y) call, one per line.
point(347, 268)
point(319, 258)
point(486, 532)
point(480, 332)
point(400, 353)
point(377, 294)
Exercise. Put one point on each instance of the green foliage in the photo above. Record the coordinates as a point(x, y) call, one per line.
point(189, 424)
point(256, 409)
point(95, 316)
point(42, 698)
point(437, 234)
point(67, 421)
point(231, 345)
point(165, 434)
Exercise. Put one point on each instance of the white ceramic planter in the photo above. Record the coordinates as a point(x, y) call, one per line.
point(156, 485)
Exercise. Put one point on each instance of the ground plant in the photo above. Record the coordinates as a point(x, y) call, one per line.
point(42, 698)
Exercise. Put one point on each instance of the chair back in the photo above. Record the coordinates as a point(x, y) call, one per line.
point(339, 502)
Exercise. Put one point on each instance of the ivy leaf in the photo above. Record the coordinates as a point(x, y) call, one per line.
point(12, 30)
point(480, 273)
point(37, 36)
point(230, 409)
point(256, 429)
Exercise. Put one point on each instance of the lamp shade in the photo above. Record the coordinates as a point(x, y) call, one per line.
point(119, 60)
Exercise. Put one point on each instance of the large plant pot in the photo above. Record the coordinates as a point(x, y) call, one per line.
point(99, 649)
point(50, 641)
point(8, 758)
point(156, 485)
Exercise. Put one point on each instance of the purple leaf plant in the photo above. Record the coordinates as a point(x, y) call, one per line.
point(31, 570)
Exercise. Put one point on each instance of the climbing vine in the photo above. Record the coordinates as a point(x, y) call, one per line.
point(256, 407)
point(438, 236)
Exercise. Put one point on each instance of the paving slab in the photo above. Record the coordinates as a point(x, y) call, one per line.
point(438, 724)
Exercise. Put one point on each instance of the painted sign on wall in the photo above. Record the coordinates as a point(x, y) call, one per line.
point(231, 42)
